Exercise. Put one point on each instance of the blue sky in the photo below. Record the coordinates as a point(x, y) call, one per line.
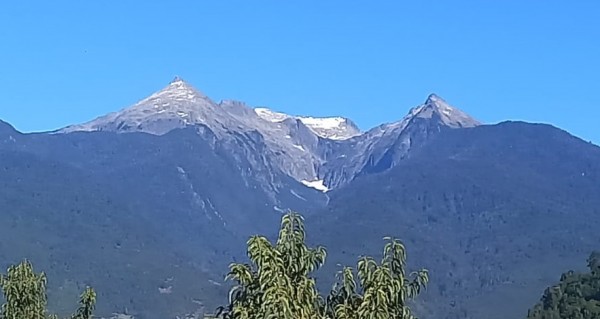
point(63, 62)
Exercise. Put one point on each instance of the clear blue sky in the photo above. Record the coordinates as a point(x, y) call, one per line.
point(63, 62)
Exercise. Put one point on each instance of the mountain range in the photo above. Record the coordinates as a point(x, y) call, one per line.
point(149, 204)
point(326, 151)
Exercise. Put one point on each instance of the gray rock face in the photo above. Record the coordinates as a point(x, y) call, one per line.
point(381, 148)
point(322, 153)
point(176, 106)
point(180, 105)
point(334, 128)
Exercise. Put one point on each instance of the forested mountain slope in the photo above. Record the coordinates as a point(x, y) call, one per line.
point(494, 212)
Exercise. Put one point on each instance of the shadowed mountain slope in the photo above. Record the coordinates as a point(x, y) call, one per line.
point(151, 221)
point(494, 212)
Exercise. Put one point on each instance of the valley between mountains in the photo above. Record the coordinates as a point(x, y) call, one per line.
point(150, 204)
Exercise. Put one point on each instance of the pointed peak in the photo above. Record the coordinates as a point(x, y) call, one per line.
point(437, 103)
point(179, 82)
point(177, 79)
point(433, 98)
point(437, 107)
point(179, 87)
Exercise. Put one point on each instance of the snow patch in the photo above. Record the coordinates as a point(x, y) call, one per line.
point(215, 283)
point(167, 290)
point(269, 115)
point(299, 147)
point(334, 128)
point(318, 185)
point(297, 195)
point(278, 209)
point(323, 122)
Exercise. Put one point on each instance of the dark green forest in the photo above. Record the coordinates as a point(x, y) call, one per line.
point(576, 296)
point(278, 282)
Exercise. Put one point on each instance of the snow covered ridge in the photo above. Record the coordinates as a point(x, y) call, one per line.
point(335, 128)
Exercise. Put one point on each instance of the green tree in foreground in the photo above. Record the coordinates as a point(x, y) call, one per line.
point(25, 295)
point(577, 296)
point(385, 287)
point(24, 292)
point(87, 303)
point(279, 285)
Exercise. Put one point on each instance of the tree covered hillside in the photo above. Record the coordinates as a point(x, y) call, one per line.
point(494, 212)
point(278, 282)
point(576, 296)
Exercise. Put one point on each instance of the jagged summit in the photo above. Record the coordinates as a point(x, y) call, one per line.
point(384, 146)
point(176, 79)
point(179, 88)
point(436, 106)
point(431, 98)
point(176, 105)
point(180, 104)
point(297, 145)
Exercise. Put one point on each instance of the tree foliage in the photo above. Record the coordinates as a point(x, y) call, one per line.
point(24, 292)
point(25, 295)
point(278, 282)
point(385, 287)
point(577, 296)
point(87, 303)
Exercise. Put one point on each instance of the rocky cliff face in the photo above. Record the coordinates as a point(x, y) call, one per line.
point(323, 153)
point(334, 128)
point(287, 143)
point(381, 148)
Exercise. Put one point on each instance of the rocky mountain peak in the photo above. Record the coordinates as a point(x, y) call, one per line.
point(176, 79)
point(433, 98)
point(176, 105)
point(383, 147)
point(299, 146)
point(435, 106)
point(180, 90)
